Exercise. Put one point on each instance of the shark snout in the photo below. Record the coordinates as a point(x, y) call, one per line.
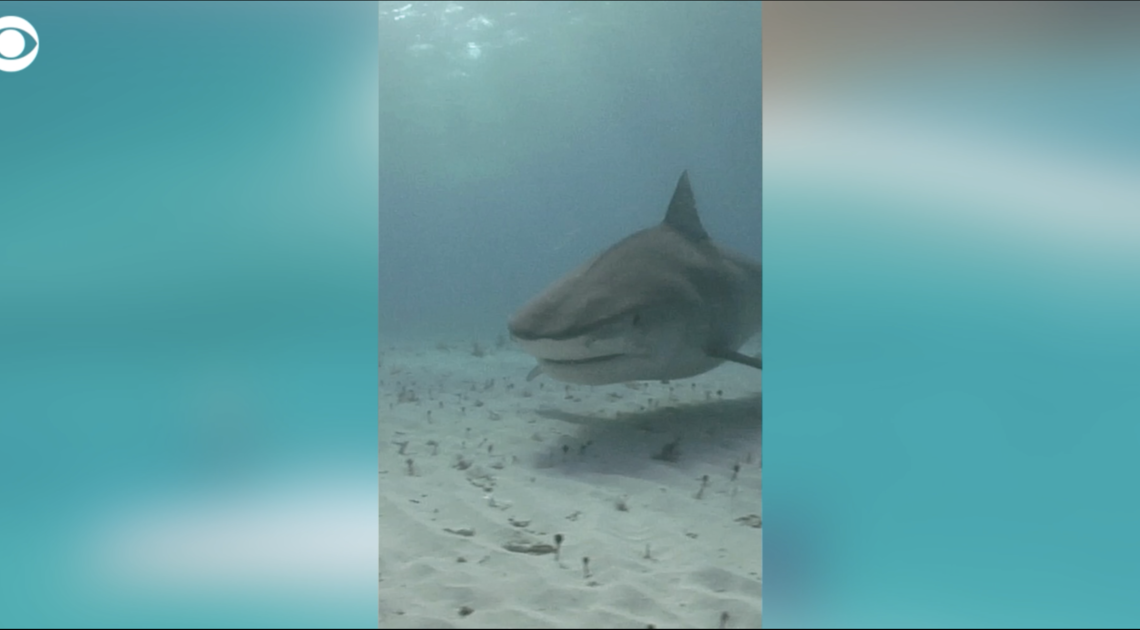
point(518, 329)
point(533, 321)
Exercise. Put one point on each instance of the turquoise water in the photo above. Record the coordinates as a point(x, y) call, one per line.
point(1080, 100)
point(950, 393)
point(189, 295)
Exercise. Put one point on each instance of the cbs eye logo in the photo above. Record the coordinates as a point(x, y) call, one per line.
point(19, 44)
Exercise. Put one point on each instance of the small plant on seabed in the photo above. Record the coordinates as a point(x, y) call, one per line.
point(670, 452)
point(704, 484)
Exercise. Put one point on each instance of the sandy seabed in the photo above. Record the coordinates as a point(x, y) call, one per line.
point(656, 484)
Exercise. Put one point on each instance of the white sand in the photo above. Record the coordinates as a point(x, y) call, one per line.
point(515, 484)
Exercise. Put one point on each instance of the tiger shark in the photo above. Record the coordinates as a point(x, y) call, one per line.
point(664, 303)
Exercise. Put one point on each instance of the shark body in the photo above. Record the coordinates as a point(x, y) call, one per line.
point(664, 303)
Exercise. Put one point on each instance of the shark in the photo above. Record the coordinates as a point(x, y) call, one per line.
point(665, 303)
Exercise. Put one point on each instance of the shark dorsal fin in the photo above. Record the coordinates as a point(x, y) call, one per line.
point(682, 215)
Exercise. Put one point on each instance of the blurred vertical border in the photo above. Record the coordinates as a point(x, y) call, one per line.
point(952, 333)
point(188, 316)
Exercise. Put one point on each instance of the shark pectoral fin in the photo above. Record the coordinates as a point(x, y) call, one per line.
point(737, 357)
point(534, 373)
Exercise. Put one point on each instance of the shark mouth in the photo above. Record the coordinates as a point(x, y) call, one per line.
point(597, 359)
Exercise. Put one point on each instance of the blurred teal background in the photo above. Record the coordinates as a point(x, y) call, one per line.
point(188, 316)
point(952, 341)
